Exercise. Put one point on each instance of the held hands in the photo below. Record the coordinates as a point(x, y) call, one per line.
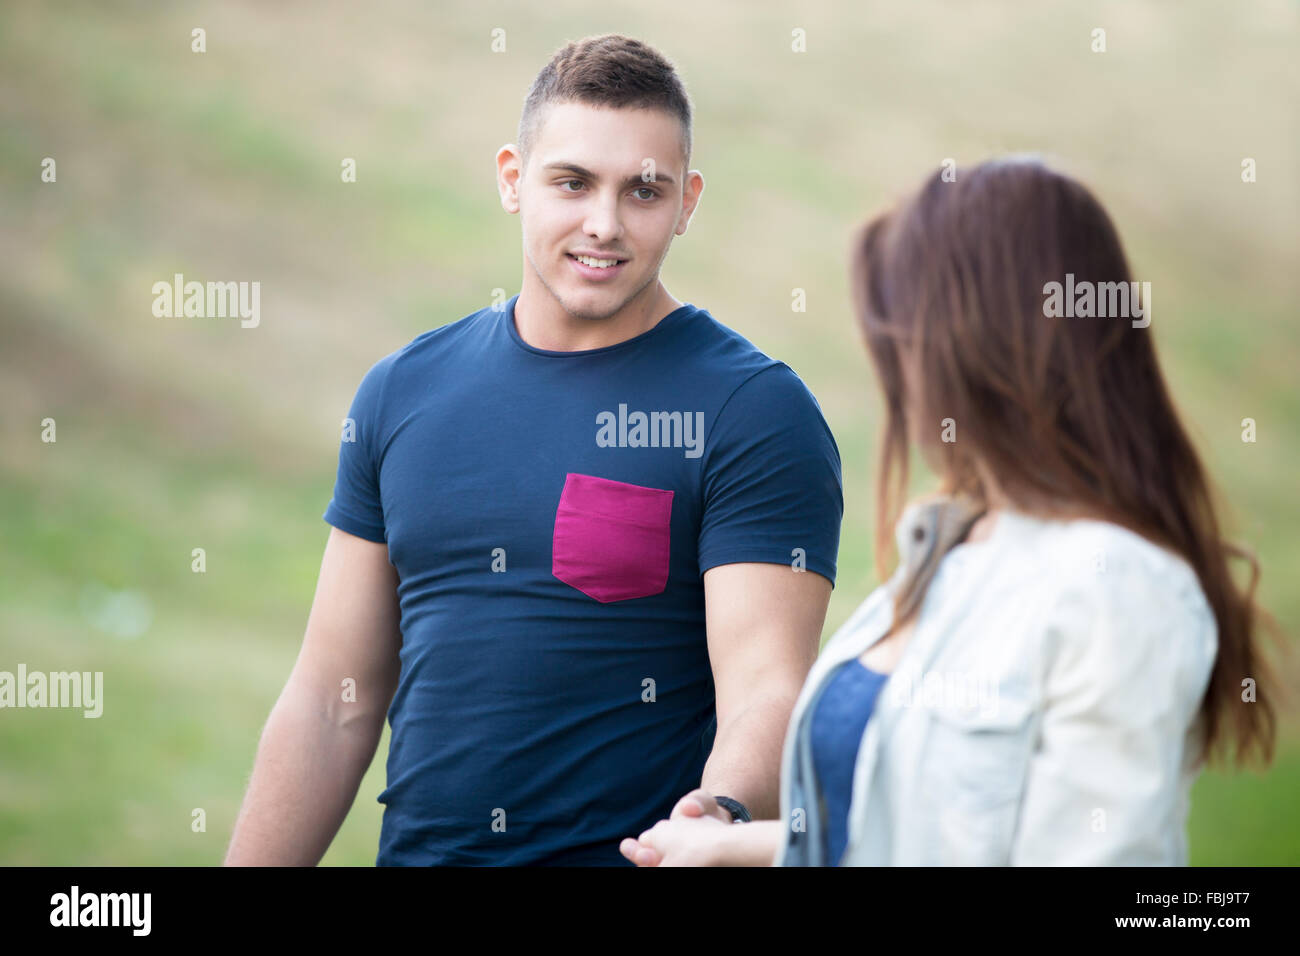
point(691, 836)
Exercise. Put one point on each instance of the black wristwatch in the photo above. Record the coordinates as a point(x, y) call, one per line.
point(737, 809)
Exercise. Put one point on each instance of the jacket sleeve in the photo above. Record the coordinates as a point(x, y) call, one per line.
point(1129, 659)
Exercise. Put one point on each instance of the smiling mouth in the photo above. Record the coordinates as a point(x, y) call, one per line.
point(596, 263)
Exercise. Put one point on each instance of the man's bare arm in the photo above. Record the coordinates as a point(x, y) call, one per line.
point(316, 745)
point(764, 628)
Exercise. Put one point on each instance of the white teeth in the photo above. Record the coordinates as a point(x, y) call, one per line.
point(598, 263)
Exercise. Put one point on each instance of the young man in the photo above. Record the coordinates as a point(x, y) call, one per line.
point(570, 528)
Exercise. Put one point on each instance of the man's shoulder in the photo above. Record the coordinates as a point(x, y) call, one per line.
point(714, 342)
point(749, 372)
point(434, 345)
point(447, 337)
point(415, 361)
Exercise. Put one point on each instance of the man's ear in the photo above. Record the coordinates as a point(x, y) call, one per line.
point(510, 169)
point(694, 187)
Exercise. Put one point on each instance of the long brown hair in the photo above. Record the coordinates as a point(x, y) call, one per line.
point(1069, 414)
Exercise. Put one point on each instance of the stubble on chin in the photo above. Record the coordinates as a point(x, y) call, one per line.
point(587, 314)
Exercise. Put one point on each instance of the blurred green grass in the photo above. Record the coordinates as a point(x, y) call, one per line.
point(176, 434)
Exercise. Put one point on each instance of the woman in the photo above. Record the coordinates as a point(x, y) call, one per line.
point(1062, 645)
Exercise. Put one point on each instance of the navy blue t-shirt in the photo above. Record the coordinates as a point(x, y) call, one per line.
point(550, 516)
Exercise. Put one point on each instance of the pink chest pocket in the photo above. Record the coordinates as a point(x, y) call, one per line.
point(612, 539)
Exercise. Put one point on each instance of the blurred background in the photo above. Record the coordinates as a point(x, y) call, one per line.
point(176, 434)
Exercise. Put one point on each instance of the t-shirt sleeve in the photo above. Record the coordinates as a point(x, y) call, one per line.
point(356, 506)
point(772, 486)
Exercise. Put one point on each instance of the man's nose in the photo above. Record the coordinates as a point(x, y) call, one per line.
point(603, 219)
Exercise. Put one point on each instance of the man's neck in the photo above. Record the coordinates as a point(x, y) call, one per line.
point(543, 322)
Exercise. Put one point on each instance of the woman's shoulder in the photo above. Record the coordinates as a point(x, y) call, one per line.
point(1097, 578)
point(1101, 556)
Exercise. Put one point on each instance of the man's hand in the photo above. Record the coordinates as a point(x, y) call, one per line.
point(699, 803)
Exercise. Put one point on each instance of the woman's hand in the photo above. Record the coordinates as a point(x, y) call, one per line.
point(682, 841)
point(700, 833)
point(691, 836)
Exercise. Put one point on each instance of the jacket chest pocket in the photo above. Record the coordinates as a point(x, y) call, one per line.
point(982, 749)
point(977, 757)
point(612, 539)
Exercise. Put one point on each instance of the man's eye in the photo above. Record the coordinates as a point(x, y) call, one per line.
point(567, 181)
point(647, 189)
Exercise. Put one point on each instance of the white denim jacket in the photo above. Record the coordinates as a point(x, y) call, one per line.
point(1044, 711)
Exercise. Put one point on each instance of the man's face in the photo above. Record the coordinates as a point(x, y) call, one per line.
point(609, 184)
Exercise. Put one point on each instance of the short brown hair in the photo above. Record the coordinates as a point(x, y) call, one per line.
point(613, 71)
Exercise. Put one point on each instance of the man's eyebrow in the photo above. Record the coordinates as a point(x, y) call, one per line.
point(659, 177)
